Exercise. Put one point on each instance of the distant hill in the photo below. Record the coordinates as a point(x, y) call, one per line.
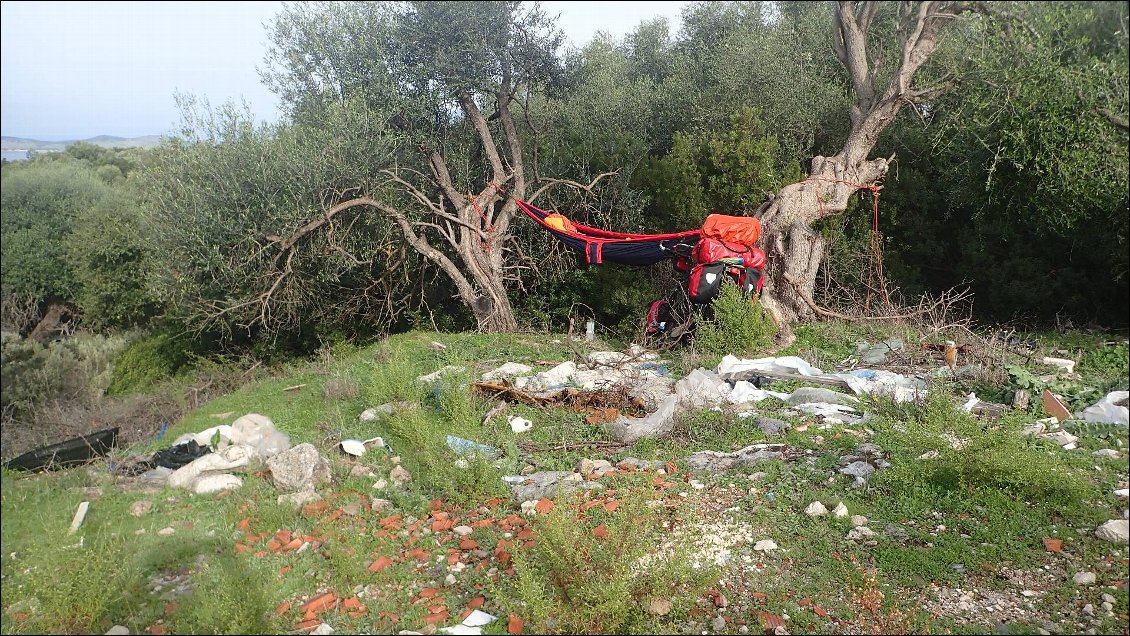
point(106, 141)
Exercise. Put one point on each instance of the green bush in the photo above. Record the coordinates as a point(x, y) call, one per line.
point(145, 362)
point(739, 325)
point(74, 370)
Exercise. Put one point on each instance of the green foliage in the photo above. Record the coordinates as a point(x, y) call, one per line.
point(739, 324)
point(33, 375)
point(574, 582)
point(972, 459)
point(40, 202)
point(111, 253)
point(147, 361)
point(727, 171)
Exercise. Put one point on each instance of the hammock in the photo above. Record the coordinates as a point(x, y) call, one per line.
point(601, 246)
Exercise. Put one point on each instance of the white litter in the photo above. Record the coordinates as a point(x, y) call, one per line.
point(519, 424)
point(1112, 409)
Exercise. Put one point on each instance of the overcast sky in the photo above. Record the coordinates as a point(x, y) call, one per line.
point(73, 70)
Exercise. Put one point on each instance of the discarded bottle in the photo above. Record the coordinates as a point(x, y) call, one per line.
point(590, 330)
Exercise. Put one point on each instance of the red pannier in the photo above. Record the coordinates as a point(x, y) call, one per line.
point(710, 250)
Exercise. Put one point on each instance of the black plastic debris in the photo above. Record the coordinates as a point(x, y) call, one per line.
point(72, 452)
point(180, 455)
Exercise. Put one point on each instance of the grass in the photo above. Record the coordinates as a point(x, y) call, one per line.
point(949, 522)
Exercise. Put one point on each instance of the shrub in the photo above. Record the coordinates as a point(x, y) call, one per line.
point(75, 370)
point(739, 325)
point(145, 362)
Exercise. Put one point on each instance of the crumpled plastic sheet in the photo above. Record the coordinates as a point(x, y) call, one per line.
point(1108, 409)
point(863, 381)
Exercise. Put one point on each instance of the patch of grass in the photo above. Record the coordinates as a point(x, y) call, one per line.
point(575, 581)
point(739, 325)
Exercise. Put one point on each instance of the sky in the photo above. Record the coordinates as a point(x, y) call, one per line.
point(74, 70)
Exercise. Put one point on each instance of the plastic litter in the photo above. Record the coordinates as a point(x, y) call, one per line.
point(467, 447)
point(1112, 408)
point(472, 624)
point(519, 424)
point(179, 455)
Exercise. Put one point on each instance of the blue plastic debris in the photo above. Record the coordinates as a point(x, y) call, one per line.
point(467, 447)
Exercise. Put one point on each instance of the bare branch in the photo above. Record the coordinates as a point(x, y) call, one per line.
point(549, 183)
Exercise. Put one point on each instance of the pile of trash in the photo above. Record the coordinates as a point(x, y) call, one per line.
point(204, 462)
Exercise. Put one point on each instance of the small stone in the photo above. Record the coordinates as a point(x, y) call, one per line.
point(862, 532)
point(139, 531)
point(399, 476)
point(380, 484)
point(449, 580)
point(322, 629)
point(719, 624)
point(840, 511)
point(463, 530)
point(300, 498)
point(165, 532)
point(758, 476)
point(765, 545)
point(527, 470)
point(1089, 609)
point(1084, 578)
point(118, 630)
point(379, 504)
point(659, 607)
point(1107, 598)
point(858, 520)
point(141, 507)
point(360, 470)
point(1106, 452)
point(815, 509)
point(1107, 606)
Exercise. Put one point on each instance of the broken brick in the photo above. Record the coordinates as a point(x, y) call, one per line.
point(320, 603)
point(601, 531)
point(381, 563)
point(514, 625)
point(543, 506)
point(1053, 545)
point(283, 608)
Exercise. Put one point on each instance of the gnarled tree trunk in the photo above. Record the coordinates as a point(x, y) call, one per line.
point(795, 251)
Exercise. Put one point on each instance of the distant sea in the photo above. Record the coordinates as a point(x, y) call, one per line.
point(14, 155)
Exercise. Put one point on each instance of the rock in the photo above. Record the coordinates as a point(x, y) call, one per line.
point(815, 509)
point(166, 532)
point(840, 511)
point(140, 507)
point(858, 520)
point(765, 545)
point(547, 484)
point(399, 476)
point(323, 629)
point(719, 624)
point(859, 470)
point(1089, 609)
point(861, 532)
point(298, 469)
point(1108, 606)
point(896, 532)
point(118, 630)
point(528, 470)
point(298, 498)
point(379, 504)
point(368, 415)
point(1107, 598)
point(718, 462)
point(809, 394)
point(931, 454)
point(508, 370)
point(659, 607)
point(1115, 531)
point(360, 470)
point(1084, 578)
point(432, 377)
point(1106, 452)
point(463, 530)
point(216, 482)
point(772, 427)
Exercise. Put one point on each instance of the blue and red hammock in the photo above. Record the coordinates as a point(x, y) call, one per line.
point(599, 246)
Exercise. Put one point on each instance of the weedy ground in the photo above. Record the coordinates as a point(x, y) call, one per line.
point(958, 543)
